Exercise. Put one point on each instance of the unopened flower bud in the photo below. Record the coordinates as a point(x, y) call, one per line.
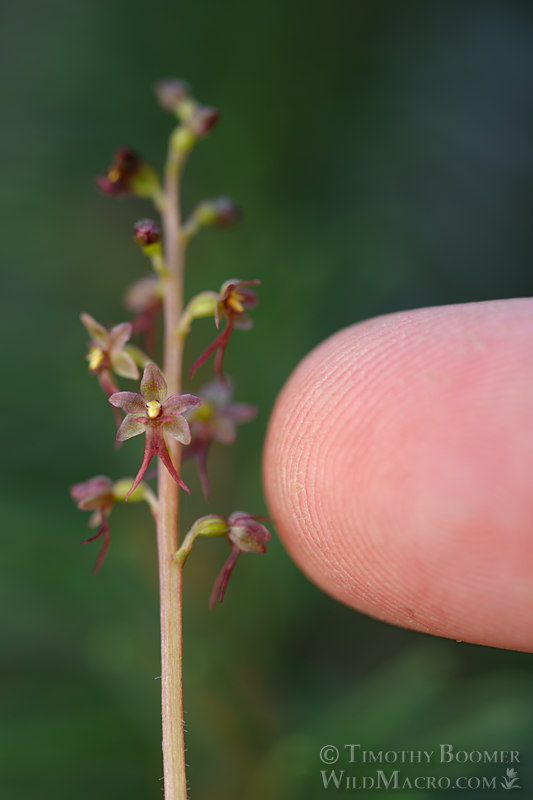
point(204, 120)
point(210, 525)
point(145, 182)
point(170, 92)
point(247, 533)
point(127, 160)
point(183, 140)
point(147, 235)
point(146, 232)
point(222, 212)
point(122, 487)
point(141, 493)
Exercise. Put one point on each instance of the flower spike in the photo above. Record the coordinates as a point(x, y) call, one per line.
point(153, 413)
point(233, 300)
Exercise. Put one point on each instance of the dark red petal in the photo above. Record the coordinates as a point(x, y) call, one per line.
point(98, 487)
point(112, 188)
point(126, 159)
point(180, 403)
point(164, 455)
point(150, 449)
point(249, 298)
point(220, 341)
point(249, 516)
point(200, 450)
point(130, 402)
point(219, 359)
point(255, 282)
point(106, 533)
point(219, 589)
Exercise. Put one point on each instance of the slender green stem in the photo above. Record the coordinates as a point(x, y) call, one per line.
point(170, 573)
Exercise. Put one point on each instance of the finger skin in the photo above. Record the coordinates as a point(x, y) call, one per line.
point(398, 470)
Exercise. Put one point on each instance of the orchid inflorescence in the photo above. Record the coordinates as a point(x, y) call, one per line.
point(195, 422)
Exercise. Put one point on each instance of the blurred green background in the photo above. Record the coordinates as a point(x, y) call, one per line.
point(383, 155)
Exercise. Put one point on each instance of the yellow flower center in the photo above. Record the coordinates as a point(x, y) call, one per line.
point(96, 356)
point(154, 408)
point(234, 301)
point(114, 175)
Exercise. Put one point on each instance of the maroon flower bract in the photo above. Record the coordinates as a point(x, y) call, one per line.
point(153, 413)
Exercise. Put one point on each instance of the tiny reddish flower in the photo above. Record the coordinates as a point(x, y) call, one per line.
point(143, 294)
point(117, 180)
point(215, 421)
point(129, 174)
point(219, 212)
point(171, 92)
point(99, 495)
point(153, 413)
point(146, 232)
point(203, 120)
point(96, 495)
point(145, 299)
point(246, 535)
point(233, 300)
point(107, 353)
point(107, 348)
